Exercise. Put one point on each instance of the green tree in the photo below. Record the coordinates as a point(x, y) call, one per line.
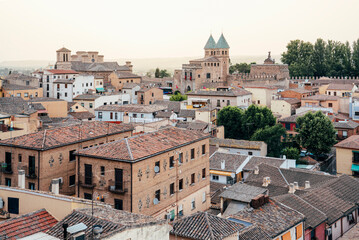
point(319, 58)
point(291, 153)
point(164, 73)
point(240, 68)
point(231, 118)
point(299, 58)
point(178, 97)
point(256, 117)
point(316, 133)
point(271, 135)
point(157, 73)
point(355, 57)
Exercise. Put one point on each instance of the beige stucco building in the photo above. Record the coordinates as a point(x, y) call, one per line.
point(118, 79)
point(347, 152)
point(285, 107)
point(262, 96)
point(56, 108)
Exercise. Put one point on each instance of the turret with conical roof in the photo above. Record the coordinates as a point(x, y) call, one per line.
point(222, 43)
point(211, 44)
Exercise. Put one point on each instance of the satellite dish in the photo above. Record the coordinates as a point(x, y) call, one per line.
point(155, 201)
point(157, 169)
point(233, 175)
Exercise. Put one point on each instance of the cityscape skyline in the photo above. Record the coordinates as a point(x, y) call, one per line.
point(251, 28)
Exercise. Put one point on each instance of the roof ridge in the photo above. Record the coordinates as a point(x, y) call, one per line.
point(129, 149)
point(310, 205)
point(209, 225)
point(44, 139)
point(282, 175)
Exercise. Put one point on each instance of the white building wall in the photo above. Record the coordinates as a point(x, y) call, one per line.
point(221, 179)
point(245, 100)
point(336, 230)
point(133, 117)
point(82, 84)
point(151, 232)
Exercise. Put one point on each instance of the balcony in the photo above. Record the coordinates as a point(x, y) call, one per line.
point(86, 181)
point(6, 168)
point(117, 187)
point(31, 172)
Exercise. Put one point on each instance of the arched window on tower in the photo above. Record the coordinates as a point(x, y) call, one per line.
point(63, 58)
point(222, 52)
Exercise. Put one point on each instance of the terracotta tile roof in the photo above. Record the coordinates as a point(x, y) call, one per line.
point(143, 146)
point(70, 104)
point(45, 99)
point(320, 97)
point(127, 75)
point(253, 233)
point(204, 226)
point(57, 137)
point(293, 118)
point(234, 143)
point(28, 224)
point(299, 90)
point(111, 220)
point(231, 93)
point(82, 115)
point(351, 142)
point(10, 87)
point(86, 97)
point(243, 192)
point(133, 108)
point(313, 216)
point(346, 124)
point(15, 106)
point(232, 161)
point(291, 100)
point(257, 160)
point(215, 190)
point(60, 71)
point(273, 217)
point(129, 85)
point(196, 125)
point(338, 86)
point(187, 113)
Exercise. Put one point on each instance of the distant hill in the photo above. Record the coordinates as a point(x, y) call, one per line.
point(141, 65)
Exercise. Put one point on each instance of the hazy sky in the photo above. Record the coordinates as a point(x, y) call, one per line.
point(35, 29)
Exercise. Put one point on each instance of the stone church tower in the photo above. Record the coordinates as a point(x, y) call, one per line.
point(63, 59)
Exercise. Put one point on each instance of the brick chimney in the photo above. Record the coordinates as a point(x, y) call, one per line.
point(296, 185)
point(307, 184)
point(256, 170)
point(266, 181)
point(21, 178)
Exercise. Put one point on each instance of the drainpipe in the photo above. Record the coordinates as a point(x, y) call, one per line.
point(38, 170)
point(131, 187)
point(78, 176)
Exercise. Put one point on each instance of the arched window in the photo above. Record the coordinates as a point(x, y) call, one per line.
point(222, 52)
point(188, 88)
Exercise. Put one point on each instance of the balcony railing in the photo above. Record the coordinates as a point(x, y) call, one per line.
point(31, 172)
point(117, 187)
point(7, 169)
point(86, 181)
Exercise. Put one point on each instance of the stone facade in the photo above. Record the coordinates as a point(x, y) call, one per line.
point(213, 69)
point(279, 71)
point(148, 96)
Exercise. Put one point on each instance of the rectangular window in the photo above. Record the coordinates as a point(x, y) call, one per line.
point(203, 196)
point(250, 153)
point(118, 204)
point(83, 104)
point(287, 126)
point(180, 184)
point(356, 157)
point(102, 171)
point(203, 149)
point(215, 177)
point(345, 134)
point(193, 176)
point(111, 115)
point(8, 158)
point(118, 179)
point(330, 104)
point(157, 167)
point(31, 186)
point(158, 195)
point(32, 171)
point(72, 179)
point(192, 153)
point(90, 105)
point(208, 76)
point(116, 115)
point(134, 115)
point(88, 196)
point(13, 205)
point(228, 102)
point(88, 174)
point(203, 173)
point(180, 158)
point(100, 115)
point(172, 162)
point(72, 155)
point(20, 158)
point(172, 188)
point(218, 103)
point(193, 204)
point(8, 182)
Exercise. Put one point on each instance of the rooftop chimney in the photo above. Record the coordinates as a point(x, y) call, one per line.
point(296, 185)
point(266, 181)
point(223, 164)
point(256, 170)
point(307, 184)
point(55, 186)
point(291, 188)
point(21, 178)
